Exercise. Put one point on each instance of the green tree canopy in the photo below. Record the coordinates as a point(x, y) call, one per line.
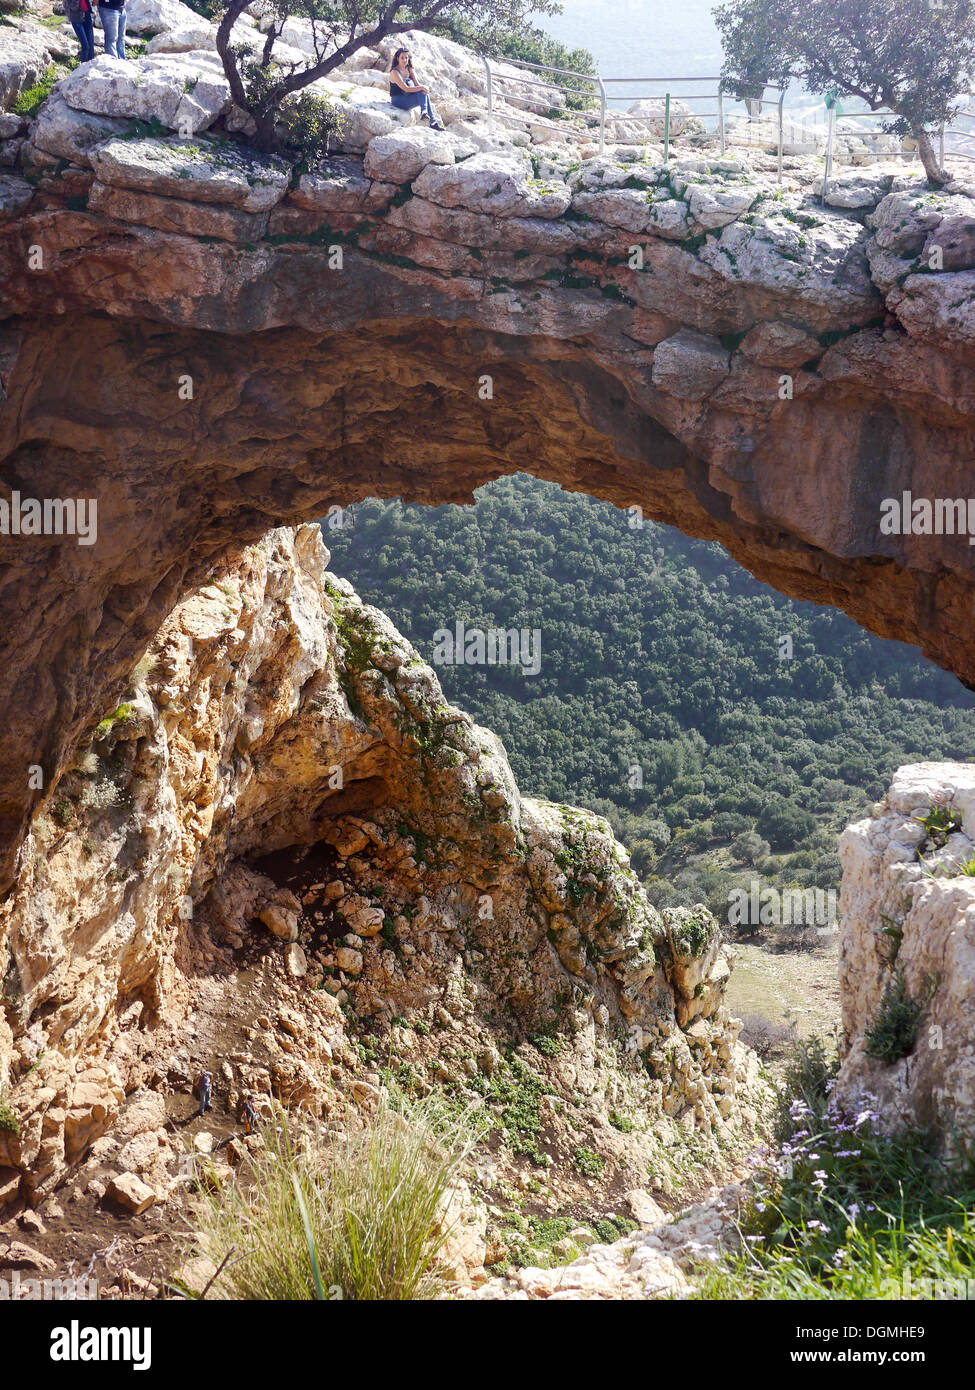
point(911, 57)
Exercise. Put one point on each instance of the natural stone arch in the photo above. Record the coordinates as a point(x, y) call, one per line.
point(655, 387)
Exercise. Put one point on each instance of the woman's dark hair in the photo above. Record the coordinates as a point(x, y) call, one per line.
point(396, 57)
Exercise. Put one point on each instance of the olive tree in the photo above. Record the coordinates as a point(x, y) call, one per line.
point(264, 87)
point(910, 57)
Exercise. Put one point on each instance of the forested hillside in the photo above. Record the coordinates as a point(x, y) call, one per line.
point(666, 698)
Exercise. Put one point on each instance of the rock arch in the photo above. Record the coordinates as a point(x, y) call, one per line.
point(318, 378)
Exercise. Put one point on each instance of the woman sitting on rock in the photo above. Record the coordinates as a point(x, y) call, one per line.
point(405, 92)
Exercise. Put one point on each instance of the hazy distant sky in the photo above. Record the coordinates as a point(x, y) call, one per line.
point(642, 38)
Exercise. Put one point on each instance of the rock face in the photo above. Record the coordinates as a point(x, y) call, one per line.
point(730, 356)
point(908, 932)
point(277, 719)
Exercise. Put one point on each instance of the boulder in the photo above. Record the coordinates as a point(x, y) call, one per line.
point(500, 185)
point(130, 1192)
point(403, 154)
point(185, 92)
point(197, 171)
point(158, 16)
point(67, 133)
point(16, 1255)
point(184, 39)
point(689, 365)
point(280, 921)
point(295, 961)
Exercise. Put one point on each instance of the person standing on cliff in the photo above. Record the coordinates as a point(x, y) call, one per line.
point(204, 1085)
point(405, 91)
point(82, 20)
point(112, 16)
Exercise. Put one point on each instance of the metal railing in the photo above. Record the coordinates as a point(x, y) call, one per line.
point(597, 91)
point(956, 134)
point(556, 87)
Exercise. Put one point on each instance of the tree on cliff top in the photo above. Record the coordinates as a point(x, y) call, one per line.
point(339, 28)
point(911, 57)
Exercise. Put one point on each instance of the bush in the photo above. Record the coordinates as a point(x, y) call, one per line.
point(765, 1037)
point(893, 1033)
point(749, 848)
point(784, 824)
point(589, 1164)
point(362, 1215)
point(308, 125)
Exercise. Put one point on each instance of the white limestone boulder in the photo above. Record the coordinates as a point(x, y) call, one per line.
point(184, 39)
point(26, 52)
point(403, 154)
point(196, 171)
point(498, 184)
point(66, 133)
point(158, 16)
point(182, 91)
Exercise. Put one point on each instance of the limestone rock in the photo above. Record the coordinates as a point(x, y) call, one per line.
point(500, 185)
point(70, 134)
point(174, 168)
point(130, 1192)
point(14, 1254)
point(400, 156)
point(176, 90)
point(933, 1084)
point(689, 365)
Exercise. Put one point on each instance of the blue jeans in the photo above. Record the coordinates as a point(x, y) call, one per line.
point(113, 22)
point(85, 29)
point(407, 100)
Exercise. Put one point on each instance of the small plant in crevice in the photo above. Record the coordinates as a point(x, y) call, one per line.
point(889, 938)
point(893, 1033)
point(9, 1123)
point(939, 822)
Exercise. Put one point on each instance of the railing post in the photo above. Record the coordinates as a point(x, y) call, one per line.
point(490, 94)
point(781, 100)
point(666, 126)
point(721, 118)
point(829, 150)
point(602, 113)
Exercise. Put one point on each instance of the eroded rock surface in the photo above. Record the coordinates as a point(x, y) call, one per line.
point(208, 351)
point(908, 904)
point(283, 840)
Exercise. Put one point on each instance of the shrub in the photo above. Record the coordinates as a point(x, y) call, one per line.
point(308, 125)
point(893, 1033)
point(589, 1164)
point(9, 1124)
point(362, 1216)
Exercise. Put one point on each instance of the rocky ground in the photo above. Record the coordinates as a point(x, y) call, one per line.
point(285, 859)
